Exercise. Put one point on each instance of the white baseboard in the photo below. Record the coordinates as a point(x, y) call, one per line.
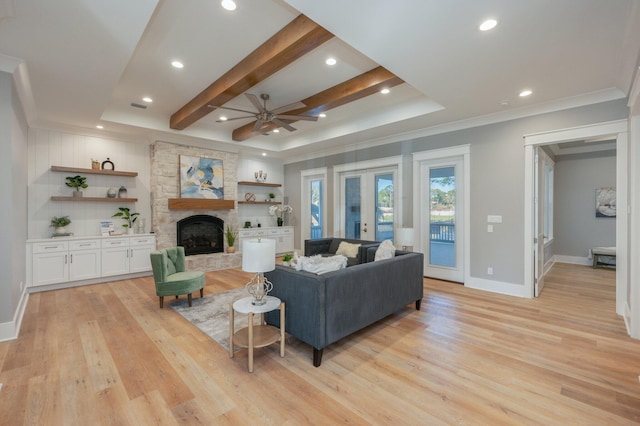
point(509, 289)
point(10, 330)
point(576, 260)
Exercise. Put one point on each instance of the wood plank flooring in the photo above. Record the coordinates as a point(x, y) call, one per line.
point(106, 354)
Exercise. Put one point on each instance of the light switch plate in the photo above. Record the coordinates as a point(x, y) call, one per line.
point(492, 218)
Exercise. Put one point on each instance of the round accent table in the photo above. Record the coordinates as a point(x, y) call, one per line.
point(255, 336)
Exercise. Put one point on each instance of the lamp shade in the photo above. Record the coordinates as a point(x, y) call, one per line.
point(404, 236)
point(258, 255)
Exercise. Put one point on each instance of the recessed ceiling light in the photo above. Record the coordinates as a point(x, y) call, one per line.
point(385, 91)
point(99, 127)
point(487, 25)
point(276, 130)
point(223, 118)
point(177, 64)
point(147, 99)
point(228, 4)
point(322, 115)
point(525, 93)
point(264, 154)
point(504, 102)
point(330, 61)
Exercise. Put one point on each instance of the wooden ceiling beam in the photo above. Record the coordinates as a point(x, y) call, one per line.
point(299, 37)
point(351, 90)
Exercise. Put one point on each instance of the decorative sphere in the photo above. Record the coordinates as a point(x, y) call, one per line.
point(111, 193)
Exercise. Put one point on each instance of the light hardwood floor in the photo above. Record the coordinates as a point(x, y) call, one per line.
point(106, 354)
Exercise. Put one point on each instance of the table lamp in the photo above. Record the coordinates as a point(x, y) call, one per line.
point(259, 256)
point(404, 237)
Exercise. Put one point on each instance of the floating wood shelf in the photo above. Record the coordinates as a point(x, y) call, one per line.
point(200, 204)
point(93, 171)
point(103, 199)
point(259, 202)
point(273, 185)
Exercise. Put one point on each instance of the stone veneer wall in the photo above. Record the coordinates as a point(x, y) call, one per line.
point(165, 184)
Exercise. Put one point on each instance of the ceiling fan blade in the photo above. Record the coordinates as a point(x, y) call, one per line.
point(283, 124)
point(232, 109)
point(297, 117)
point(236, 118)
point(257, 125)
point(290, 107)
point(254, 100)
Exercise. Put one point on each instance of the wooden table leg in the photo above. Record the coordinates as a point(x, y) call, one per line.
point(231, 330)
point(250, 342)
point(282, 330)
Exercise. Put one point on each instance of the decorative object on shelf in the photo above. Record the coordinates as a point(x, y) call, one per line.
point(112, 193)
point(141, 226)
point(122, 192)
point(59, 224)
point(107, 163)
point(259, 256)
point(404, 238)
point(272, 196)
point(286, 259)
point(107, 228)
point(201, 177)
point(78, 183)
point(231, 235)
point(249, 196)
point(260, 176)
point(280, 211)
point(95, 164)
point(128, 217)
point(247, 224)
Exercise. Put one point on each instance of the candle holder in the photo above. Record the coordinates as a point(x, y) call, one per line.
point(260, 176)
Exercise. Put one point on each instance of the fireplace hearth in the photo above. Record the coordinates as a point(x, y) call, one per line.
point(201, 234)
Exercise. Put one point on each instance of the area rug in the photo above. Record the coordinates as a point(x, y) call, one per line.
point(211, 313)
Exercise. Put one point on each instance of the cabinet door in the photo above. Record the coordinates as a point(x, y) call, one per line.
point(50, 268)
point(115, 261)
point(84, 264)
point(140, 259)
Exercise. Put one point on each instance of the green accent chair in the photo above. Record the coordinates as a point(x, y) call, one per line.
point(171, 278)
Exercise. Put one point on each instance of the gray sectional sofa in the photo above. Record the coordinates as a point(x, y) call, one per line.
point(322, 309)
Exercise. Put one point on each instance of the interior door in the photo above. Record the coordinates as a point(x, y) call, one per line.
point(442, 201)
point(368, 205)
point(538, 240)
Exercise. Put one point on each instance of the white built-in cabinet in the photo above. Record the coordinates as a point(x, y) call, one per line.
point(87, 259)
point(283, 235)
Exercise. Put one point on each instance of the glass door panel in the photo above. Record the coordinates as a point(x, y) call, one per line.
point(442, 216)
point(316, 225)
point(384, 206)
point(352, 203)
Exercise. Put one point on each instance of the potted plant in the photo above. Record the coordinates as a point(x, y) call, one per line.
point(286, 259)
point(272, 196)
point(78, 183)
point(59, 224)
point(231, 235)
point(128, 217)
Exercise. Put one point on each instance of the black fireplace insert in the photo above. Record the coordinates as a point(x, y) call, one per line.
point(201, 234)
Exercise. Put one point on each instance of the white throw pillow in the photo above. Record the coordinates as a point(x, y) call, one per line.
point(321, 265)
point(386, 250)
point(348, 249)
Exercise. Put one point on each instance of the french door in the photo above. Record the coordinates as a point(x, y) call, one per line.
point(441, 214)
point(368, 204)
point(314, 209)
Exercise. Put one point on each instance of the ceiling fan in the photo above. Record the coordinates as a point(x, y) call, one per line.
point(265, 116)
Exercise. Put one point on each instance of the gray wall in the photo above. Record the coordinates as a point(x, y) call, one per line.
point(13, 191)
point(576, 228)
point(497, 180)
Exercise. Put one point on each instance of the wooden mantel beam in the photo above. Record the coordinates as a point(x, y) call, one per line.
point(351, 90)
point(299, 37)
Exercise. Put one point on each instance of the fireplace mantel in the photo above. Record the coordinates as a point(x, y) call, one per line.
point(200, 204)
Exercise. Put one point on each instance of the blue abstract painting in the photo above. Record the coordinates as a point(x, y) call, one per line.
point(201, 177)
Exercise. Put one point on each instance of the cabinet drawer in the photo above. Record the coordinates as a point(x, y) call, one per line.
point(245, 234)
point(287, 231)
point(115, 242)
point(50, 247)
point(142, 241)
point(84, 245)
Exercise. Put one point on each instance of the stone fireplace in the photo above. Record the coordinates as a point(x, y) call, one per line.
point(165, 184)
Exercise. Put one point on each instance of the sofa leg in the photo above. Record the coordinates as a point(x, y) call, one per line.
point(418, 303)
point(202, 292)
point(189, 299)
point(161, 302)
point(317, 357)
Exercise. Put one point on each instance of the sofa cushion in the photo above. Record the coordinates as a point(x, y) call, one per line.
point(320, 265)
point(385, 250)
point(348, 249)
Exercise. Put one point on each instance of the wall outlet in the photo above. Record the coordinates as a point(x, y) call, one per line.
point(489, 228)
point(489, 270)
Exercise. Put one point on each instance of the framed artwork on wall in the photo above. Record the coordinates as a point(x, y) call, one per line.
point(605, 202)
point(201, 177)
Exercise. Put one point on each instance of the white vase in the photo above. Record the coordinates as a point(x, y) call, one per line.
point(130, 231)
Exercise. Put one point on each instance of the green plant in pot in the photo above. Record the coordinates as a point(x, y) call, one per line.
point(286, 259)
point(78, 183)
point(231, 235)
point(59, 224)
point(128, 217)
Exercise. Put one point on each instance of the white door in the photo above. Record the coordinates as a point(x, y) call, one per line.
point(539, 225)
point(368, 201)
point(313, 204)
point(441, 198)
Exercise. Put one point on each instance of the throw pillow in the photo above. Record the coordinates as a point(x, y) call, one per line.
point(386, 250)
point(348, 249)
point(321, 265)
